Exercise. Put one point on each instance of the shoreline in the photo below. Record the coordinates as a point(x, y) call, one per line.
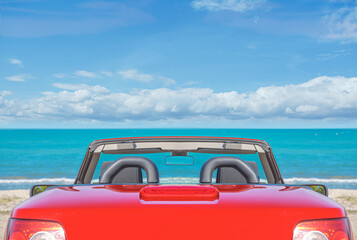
point(11, 198)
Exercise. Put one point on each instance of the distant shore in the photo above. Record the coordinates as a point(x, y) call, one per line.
point(10, 198)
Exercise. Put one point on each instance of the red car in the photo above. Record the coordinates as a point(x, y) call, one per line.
point(179, 188)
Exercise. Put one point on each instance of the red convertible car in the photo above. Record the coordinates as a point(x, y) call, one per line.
point(179, 188)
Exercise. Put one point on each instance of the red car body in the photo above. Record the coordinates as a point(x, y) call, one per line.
point(201, 211)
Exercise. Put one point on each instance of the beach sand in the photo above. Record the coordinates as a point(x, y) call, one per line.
point(10, 198)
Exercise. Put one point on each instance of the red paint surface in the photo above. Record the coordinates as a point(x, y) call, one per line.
point(240, 212)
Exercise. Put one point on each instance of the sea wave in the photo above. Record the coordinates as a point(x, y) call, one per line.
point(38, 180)
point(27, 183)
point(180, 179)
point(319, 180)
point(329, 182)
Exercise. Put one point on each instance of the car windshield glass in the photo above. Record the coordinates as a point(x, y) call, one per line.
point(177, 168)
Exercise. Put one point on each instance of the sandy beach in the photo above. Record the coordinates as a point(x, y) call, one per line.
point(10, 198)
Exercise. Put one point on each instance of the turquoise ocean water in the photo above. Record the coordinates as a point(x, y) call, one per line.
point(327, 156)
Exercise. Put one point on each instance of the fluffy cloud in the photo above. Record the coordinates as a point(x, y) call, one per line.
point(320, 98)
point(130, 74)
point(107, 73)
point(20, 77)
point(342, 24)
point(3, 94)
point(231, 5)
point(86, 74)
point(60, 75)
point(167, 81)
point(133, 74)
point(15, 61)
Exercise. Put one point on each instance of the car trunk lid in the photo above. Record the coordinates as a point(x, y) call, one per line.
point(179, 212)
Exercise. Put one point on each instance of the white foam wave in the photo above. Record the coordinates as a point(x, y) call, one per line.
point(39, 180)
point(319, 180)
point(175, 179)
point(71, 181)
point(179, 180)
point(286, 180)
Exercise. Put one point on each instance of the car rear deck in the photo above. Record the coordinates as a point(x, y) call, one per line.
point(178, 212)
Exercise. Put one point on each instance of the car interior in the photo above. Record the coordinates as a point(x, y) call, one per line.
point(129, 170)
point(188, 162)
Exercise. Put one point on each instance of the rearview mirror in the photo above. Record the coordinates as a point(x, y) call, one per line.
point(317, 188)
point(36, 189)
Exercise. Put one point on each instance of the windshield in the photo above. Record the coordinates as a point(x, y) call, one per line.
point(177, 167)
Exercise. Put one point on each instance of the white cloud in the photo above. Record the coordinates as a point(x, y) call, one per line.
point(74, 87)
point(130, 74)
point(167, 81)
point(83, 73)
point(20, 77)
point(289, 110)
point(306, 109)
point(342, 24)
point(4, 103)
point(15, 61)
point(133, 74)
point(320, 98)
point(190, 83)
point(86, 74)
point(60, 75)
point(231, 5)
point(333, 54)
point(107, 73)
point(5, 93)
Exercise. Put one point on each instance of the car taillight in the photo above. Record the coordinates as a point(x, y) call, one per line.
point(333, 229)
point(34, 230)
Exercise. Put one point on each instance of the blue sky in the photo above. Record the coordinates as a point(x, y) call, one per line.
point(187, 63)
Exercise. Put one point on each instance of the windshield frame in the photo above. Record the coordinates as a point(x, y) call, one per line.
point(265, 154)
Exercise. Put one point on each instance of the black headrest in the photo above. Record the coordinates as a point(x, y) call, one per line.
point(238, 164)
point(115, 168)
point(231, 175)
point(127, 175)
